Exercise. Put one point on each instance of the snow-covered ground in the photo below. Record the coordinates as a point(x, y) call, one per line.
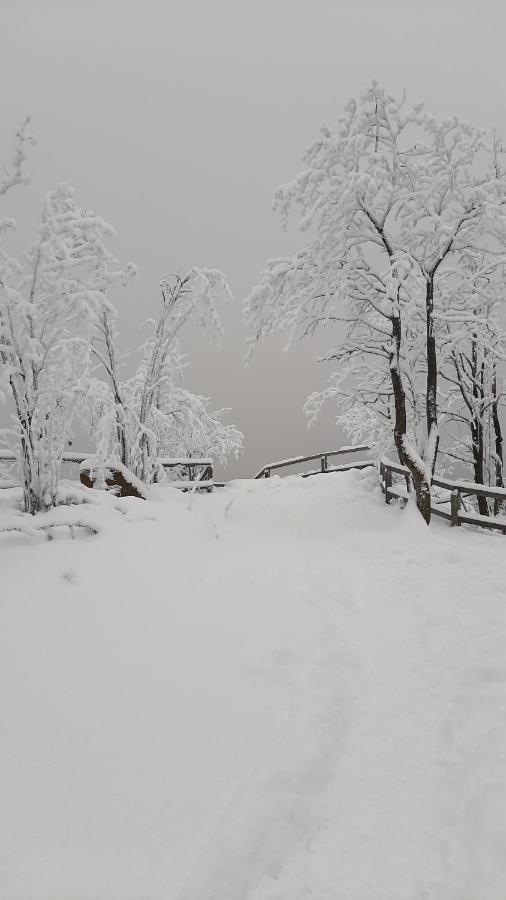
point(286, 691)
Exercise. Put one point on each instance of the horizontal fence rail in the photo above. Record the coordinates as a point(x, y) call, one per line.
point(265, 471)
point(457, 491)
point(199, 470)
point(69, 457)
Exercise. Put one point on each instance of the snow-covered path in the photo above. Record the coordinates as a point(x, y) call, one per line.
point(289, 691)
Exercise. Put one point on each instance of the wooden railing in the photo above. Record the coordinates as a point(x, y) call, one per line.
point(265, 472)
point(198, 469)
point(457, 514)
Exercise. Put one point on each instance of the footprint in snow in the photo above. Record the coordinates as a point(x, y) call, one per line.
point(70, 576)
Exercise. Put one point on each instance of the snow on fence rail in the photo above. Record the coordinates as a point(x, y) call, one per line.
point(201, 480)
point(191, 464)
point(265, 471)
point(458, 514)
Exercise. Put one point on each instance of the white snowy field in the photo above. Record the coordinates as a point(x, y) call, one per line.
point(286, 691)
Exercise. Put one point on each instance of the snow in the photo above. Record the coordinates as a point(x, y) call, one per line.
point(289, 690)
point(185, 461)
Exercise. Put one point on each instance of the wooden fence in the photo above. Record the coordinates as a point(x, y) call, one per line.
point(458, 491)
point(199, 471)
point(265, 472)
point(200, 477)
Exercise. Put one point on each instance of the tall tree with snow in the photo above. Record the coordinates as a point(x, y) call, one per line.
point(473, 349)
point(49, 300)
point(151, 415)
point(395, 200)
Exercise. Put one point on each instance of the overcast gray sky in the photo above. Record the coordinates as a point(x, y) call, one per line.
point(177, 120)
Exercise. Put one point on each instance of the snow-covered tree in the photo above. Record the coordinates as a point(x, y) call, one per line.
point(473, 349)
point(151, 415)
point(49, 300)
point(395, 200)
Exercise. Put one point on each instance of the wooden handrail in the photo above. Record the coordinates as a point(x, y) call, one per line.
point(72, 456)
point(167, 462)
point(464, 487)
point(457, 489)
point(265, 471)
point(68, 457)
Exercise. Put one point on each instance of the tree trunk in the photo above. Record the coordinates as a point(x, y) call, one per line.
point(479, 463)
point(477, 432)
point(32, 501)
point(121, 431)
point(499, 479)
point(431, 447)
point(407, 456)
point(118, 399)
point(400, 425)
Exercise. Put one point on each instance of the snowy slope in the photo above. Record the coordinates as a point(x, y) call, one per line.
point(288, 691)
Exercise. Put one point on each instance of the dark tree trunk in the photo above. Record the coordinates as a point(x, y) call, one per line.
point(477, 432)
point(499, 478)
point(121, 431)
point(400, 425)
point(478, 463)
point(406, 458)
point(432, 373)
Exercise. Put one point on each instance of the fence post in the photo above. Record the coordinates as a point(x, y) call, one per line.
point(388, 483)
point(324, 464)
point(455, 506)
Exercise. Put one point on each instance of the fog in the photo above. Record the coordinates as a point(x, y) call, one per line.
point(176, 121)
